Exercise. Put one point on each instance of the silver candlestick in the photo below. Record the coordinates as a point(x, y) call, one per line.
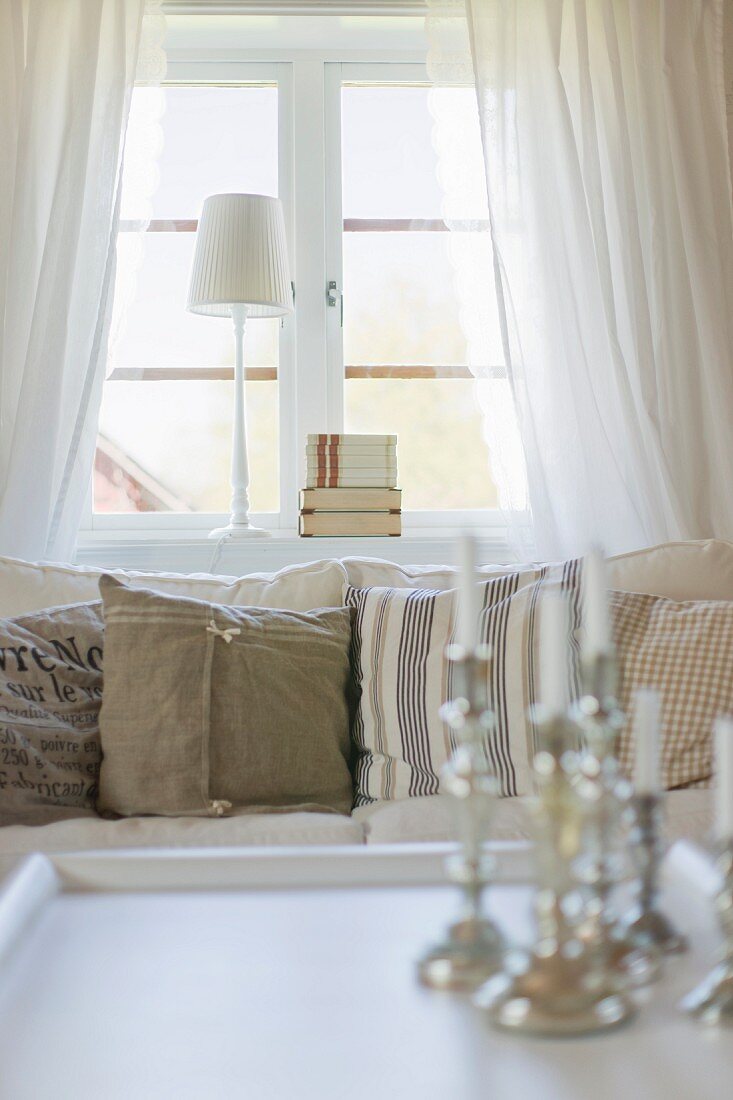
point(712, 1000)
point(647, 925)
point(605, 860)
point(473, 946)
point(564, 985)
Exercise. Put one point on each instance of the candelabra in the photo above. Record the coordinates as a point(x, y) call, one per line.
point(712, 1000)
point(647, 925)
point(473, 947)
point(622, 940)
point(565, 984)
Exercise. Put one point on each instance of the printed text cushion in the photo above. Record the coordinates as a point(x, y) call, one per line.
point(50, 695)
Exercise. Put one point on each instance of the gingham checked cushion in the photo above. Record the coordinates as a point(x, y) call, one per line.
point(684, 650)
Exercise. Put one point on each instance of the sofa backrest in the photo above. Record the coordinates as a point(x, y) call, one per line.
point(31, 586)
point(677, 570)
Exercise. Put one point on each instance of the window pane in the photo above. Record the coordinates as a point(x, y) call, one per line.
point(401, 306)
point(216, 140)
point(399, 303)
point(443, 459)
point(166, 446)
point(159, 331)
point(389, 164)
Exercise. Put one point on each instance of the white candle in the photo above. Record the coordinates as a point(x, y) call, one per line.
point(646, 722)
point(597, 633)
point(724, 777)
point(468, 594)
point(554, 654)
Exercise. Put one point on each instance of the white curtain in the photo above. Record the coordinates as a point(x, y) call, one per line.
point(67, 69)
point(606, 161)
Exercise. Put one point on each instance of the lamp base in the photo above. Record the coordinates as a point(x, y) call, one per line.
point(235, 531)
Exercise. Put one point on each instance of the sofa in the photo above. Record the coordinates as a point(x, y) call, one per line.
point(681, 571)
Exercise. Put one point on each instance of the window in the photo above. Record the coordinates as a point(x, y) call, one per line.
point(404, 350)
point(166, 418)
point(348, 148)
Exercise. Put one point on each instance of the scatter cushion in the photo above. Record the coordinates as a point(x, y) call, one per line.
point(210, 709)
point(685, 652)
point(50, 693)
point(31, 586)
point(398, 653)
point(682, 649)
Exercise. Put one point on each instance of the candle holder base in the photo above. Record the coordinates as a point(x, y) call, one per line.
point(555, 996)
point(712, 1001)
point(654, 929)
point(470, 954)
point(636, 960)
point(646, 927)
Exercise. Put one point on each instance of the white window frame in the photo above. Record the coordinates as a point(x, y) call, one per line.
point(311, 368)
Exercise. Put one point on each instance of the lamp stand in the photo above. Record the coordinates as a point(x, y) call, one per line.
point(239, 525)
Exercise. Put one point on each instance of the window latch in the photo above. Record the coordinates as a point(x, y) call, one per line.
point(334, 297)
point(332, 293)
point(282, 319)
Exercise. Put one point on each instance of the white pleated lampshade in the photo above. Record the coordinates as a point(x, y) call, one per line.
point(241, 257)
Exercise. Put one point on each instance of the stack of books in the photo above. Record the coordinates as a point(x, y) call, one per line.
point(351, 486)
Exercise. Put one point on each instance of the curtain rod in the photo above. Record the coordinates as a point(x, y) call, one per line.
point(295, 7)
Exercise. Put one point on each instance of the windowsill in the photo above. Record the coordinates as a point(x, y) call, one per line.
point(193, 552)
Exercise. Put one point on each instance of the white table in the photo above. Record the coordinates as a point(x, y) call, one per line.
point(168, 976)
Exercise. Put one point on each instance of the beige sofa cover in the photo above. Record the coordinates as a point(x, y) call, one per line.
point(692, 570)
point(688, 814)
point(425, 820)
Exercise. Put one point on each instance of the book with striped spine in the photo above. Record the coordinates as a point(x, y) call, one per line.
point(346, 481)
point(346, 439)
point(339, 450)
point(352, 462)
point(341, 473)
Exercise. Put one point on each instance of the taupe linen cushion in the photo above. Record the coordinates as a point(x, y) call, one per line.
point(50, 692)
point(208, 708)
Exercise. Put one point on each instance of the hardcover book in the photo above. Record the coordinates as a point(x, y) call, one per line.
point(343, 463)
point(321, 524)
point(339, 481)
point(361, 440)
point(342, 450)
point(351, 500)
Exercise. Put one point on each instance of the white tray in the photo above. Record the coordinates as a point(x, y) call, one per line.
point(157, 975)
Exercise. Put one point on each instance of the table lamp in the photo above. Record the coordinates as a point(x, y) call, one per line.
point(240, 270)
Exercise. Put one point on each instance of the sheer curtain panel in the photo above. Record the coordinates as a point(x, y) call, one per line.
point(66, 74)
point(606, 160)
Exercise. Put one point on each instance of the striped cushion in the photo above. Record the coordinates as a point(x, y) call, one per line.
point(685, 650)
point(399, 638)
